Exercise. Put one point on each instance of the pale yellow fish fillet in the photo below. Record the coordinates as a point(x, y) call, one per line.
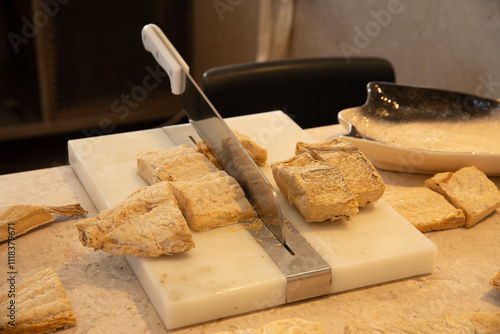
point(213, 200)
point(317, 189)
point(148, 223)
point(178, 163)
point(468, 189)
point(359, 174)
point(41, 306)
point(203, 149)
point(23, 218)
point(495, 280)
point(256, 152)
point(423, 208)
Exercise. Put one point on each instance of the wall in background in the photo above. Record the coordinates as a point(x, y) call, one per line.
point(450, 44)
point(224, 32)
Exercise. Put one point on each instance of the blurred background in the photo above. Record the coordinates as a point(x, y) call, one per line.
point(77, 68)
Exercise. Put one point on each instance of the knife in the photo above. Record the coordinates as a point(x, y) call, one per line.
point(214, 131)
point(307, 273)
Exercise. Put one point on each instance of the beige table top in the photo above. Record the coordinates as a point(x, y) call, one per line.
point(108, 298)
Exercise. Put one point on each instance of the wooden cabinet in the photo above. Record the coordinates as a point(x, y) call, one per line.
point(79, 65)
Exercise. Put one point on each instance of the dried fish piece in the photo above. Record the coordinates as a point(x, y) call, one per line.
point(256, 152)
point(317, 189)
point(177, 163)
point(495, 280)
point(41, 305)
point(468, 189)
point(423, 208)
point(23, 217)
point(202, 148)
point(148, 223)
point(358, 172)
point(213, 200)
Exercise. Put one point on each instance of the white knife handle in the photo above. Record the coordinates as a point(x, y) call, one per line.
point(166, 55)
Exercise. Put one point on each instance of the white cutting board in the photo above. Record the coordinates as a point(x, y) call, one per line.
point(228, 273)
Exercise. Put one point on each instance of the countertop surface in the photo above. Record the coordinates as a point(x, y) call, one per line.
point(107, 297)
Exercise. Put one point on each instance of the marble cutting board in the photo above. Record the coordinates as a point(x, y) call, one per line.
point(228, 272)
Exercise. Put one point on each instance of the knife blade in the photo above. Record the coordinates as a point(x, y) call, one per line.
point(214, 131)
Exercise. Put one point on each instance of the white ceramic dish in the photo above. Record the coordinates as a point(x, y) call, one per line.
point(409, 99)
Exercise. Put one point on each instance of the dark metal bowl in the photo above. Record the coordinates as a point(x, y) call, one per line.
point(399, 103)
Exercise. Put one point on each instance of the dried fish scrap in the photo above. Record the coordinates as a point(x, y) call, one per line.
point(23, 217)
point(41, 305)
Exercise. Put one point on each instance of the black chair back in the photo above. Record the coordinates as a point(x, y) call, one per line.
point(310, 91)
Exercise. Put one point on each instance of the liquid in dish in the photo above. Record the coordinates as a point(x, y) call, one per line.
point(481, 135)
